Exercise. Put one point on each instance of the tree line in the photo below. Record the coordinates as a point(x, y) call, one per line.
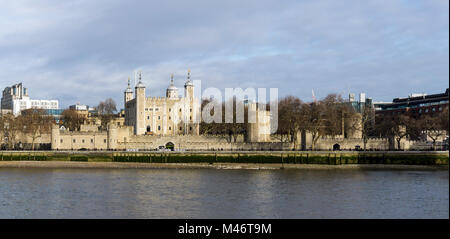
point(331, 115)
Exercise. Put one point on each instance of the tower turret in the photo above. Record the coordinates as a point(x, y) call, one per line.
point(128, 93)
point(139, 127)
point(172, 91)
point(189, 87)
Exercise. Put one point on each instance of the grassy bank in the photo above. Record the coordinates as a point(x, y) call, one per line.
point(288, 158)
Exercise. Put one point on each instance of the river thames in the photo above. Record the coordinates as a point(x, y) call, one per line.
point(211, 193)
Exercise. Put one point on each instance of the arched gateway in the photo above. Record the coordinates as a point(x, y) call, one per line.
point(170, 146)
point(336, 147)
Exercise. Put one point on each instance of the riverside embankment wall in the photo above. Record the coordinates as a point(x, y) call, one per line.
point(244, 157)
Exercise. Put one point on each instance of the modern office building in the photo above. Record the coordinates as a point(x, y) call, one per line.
point(414, 104)
point(15, 99)
point(360, 104)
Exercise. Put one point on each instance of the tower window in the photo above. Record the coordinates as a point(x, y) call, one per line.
point(180, 128)
point(159, 127)
point(159, 117)
point(170, 128)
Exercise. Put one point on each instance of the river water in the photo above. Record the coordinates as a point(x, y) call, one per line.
point(210, 193)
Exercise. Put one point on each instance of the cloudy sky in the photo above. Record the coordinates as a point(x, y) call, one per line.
point(84, 51)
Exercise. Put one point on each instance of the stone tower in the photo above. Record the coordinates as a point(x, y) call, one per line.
point(140, 106)
point(55, 137)
point(259, 131)
point(112, 136)
point(128, 94)
point(190, 107)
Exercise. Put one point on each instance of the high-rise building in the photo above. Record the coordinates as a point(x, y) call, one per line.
point(15, 99)
point(414, 104)
point(361, 104)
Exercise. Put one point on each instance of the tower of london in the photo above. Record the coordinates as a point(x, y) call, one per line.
point(170, 115)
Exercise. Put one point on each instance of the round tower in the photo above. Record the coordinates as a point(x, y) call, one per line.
point(55, 137)
point(112, 136)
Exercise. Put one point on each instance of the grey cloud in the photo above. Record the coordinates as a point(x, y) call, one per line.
point(84, 51)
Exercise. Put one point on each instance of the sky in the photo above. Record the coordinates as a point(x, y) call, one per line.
point(83, 51)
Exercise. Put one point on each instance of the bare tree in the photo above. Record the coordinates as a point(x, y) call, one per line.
point(234, 129)
point(334, 110)
point(433, 128)
point(71, 119)
point(209, 128)
point(366, 124)
point(12, 126)
point(315, 121)
point(290, 119)
point(2, 131)
point(107, 107)
point(106, 110)
point(35, 123)
point(397, 127)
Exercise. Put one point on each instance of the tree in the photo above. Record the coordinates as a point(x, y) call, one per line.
point(71, 119)
point(106, 110)
point(315, 121)
point(334, 110)
point(433, 127)
point(107, 107)
point(12, 126)
point(366, 125)
point(290, 119)
point(2, 131)
point(208, 128)
point(234, 129)
point(397, 127)
point(35, 123)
